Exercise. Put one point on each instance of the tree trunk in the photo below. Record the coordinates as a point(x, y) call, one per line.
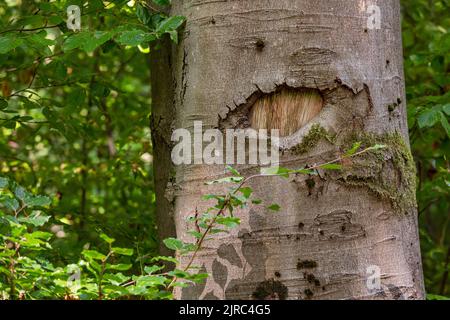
point(335, 231)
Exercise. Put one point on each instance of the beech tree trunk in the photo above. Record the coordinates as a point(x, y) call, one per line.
point(334, 231)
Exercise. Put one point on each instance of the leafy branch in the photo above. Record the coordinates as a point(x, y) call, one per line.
point(227, 203)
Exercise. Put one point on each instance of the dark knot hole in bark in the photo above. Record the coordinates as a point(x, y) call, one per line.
point(287, 110)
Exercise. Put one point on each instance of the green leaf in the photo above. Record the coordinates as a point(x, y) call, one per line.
point(213, 196)
point(93, 254)
point(233, 171)
point(173, 244)
point(446, 109)
point(230, 222)
point(41, 235)
point(31, 200)
point(280, 171)
point(76, 98)
point(143, 14)
point(10, 203)
point(35, 218)
point(135, 37)
point(40, 39)
point(179, 274)
point(152, 269)
point(96, 39)
point(246, 192)
point(331, 166)
point(436, 297)
point(173, 35)
point(75, 41)
point(444, 123)
point(163, 258)
point(428, 118)
point(123, 251)
point(274, 207)
point(21, 193)
point(106, 238)
point(170, 24)
point(119, 267)
point(37, 201)
point(86, 40)
point(3, 104)
point(8, 43)
point(150, 281)
point(376, 147)
point(353, 150)
point(4, 182)
point(196, 234)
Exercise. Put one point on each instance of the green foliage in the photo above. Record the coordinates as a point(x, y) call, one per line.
point(426, 39)
point(26, 270)
point(74, 125)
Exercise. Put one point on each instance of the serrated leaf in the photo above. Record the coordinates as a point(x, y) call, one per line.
point(38, 201)
point(36, 218)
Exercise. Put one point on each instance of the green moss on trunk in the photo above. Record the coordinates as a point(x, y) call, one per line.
point(388, 173)
point(312, 138)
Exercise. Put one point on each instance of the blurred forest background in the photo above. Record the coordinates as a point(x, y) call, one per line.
point(76, 153)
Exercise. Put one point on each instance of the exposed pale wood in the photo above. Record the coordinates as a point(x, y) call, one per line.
point(287, 110)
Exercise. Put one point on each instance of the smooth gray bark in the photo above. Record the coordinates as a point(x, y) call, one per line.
point(329, 231)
